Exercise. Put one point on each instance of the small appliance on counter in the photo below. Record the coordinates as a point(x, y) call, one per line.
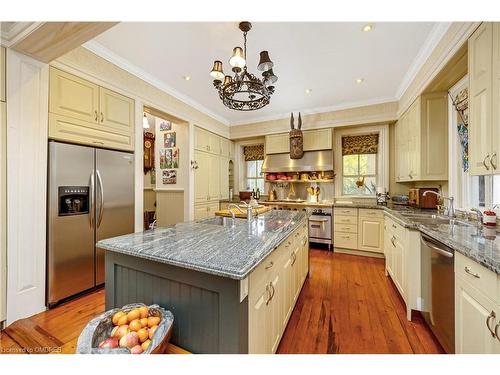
point(382, 196)
point(417, 198)
point(400, 200)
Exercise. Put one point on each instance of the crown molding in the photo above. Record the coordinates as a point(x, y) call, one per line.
point(333, 108)
point(434, 37)
point(17, 32)
point(126, 65)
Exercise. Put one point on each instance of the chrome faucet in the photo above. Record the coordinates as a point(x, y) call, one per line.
point(152, 225)
point(480, 215)
point(249, 210)
point(450, 208)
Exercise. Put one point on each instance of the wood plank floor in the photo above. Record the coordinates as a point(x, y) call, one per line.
point(347, 305)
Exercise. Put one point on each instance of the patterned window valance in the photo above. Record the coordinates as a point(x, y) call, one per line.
point(461, 103)
point(254, 152)
point(360, 144)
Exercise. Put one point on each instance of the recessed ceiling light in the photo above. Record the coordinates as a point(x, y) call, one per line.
point(187, 78)
point(308, 91)
point(367, 28)
point(359, 80)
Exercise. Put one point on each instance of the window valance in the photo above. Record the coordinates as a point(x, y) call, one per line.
point(360, 144)
point(254, 152)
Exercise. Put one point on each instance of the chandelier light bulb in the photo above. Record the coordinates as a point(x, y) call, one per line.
point(145, 123)
point(265, 62)
point(217, 73)
point(237, 60)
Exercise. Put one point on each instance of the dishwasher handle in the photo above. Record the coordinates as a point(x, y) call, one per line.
point(434, 247)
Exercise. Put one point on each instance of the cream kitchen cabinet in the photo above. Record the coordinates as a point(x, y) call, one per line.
point(3, 75)
point(484, 99)
point(371, 231)
point(314, 140)
point(277, 144)
point(201, 177)
point(224, 147)
point(210, 142)
point(273, 289)
point(205, 210)
point(421, 140)
point(224, 177)
point(213, 177)
point(83, 112)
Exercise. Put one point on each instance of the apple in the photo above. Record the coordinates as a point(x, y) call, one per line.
point(130, 340)
point(110, 343)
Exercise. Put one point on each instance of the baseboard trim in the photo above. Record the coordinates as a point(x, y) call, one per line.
point(358, 252)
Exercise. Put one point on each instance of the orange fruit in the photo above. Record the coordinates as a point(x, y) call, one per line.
point(133, 315)
point(144, 311)
point(135, 325)
point(143, 334)
point(117, 316)
point(153, 321)
point(152, 331)
point(145, 344)
point(122, 320)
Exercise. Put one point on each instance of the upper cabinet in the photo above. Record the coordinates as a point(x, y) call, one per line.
point(421, 140)
point(3, 75)
point(83, 112)
point(484, 102)
point(314, 140)
point(210, 142)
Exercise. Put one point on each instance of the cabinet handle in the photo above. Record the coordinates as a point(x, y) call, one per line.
point(496, 331)
point(304, 242)
point(484, 162)
point(491, 316)
point(294, 258)
point(494, 155)
point(102, 117)
point(270, 265)
point(98, 143)
point(268, 294)
point(394, 226)
point(392, 241)
point(96, 115)
point(468, 270)
point(273, 291)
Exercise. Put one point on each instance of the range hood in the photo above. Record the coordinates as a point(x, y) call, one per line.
point(312, 161)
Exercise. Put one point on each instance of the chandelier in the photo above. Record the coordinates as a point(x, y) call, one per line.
point(244, 91)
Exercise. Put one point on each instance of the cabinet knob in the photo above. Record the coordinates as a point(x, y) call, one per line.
point(102, 117)
point(491, 316)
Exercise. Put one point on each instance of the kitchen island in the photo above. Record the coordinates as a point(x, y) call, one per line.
point(231, 284)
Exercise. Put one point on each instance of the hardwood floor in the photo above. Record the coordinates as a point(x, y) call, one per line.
point(347, 305)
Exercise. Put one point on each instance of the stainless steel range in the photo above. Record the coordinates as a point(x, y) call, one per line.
point(320, 218)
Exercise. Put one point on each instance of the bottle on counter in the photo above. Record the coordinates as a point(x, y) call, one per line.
point(257, 194)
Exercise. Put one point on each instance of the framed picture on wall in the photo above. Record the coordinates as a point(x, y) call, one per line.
point(165, 126)
point(169, 176)
point(170, 139)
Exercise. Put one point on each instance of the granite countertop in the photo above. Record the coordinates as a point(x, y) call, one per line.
point(208, 247)
point(482, 246)
point(324, 203)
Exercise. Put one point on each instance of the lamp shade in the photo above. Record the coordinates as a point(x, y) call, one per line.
point(227, 80)
point(265, 62)
point(145, 123)
point(217, 73)
point(238, 59)
point(270, 76)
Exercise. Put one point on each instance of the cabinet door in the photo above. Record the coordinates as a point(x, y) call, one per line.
point(318, 140)
point(398, 267)
point(495, 138)
point(73, 96)
point(224, 177)
point(212, 208)
point(412, 130)
point(286, 287)
point(214, 146)
point(224, 147)
point(200, 212)
point(201, 177)
point(277, 144)
point(200, 139)
point(480, 98)
point(388, 250)
point(259, 322)
point(213, 177)
point(472, 310)
point(64, 128)
point(116, 111)
point(371, 234)
point(274, 313)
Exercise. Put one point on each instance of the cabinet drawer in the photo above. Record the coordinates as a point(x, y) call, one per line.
point(340, 219)
point(345, 211)
point(346, 228)
point(364, 212)
point(476, 275)
point(396, 229)
point(345, 240)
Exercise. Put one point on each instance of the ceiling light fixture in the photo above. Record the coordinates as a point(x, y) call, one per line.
point(244, 91)
point(359, 80)
point(145, 123)
point(308, 91)
point(367, 28)
point(187, 78)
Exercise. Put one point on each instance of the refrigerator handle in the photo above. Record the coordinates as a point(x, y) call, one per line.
point(92, 200)
point(101, 203)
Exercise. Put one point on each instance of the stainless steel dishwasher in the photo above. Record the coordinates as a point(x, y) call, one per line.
point(438, 290)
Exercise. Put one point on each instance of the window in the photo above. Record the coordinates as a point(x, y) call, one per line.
point(359, 174)
point(254, 175)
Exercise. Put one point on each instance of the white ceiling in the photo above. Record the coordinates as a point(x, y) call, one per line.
point(324, 57)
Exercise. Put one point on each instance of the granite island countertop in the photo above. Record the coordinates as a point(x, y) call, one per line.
point(481, 246)
point(228, 251)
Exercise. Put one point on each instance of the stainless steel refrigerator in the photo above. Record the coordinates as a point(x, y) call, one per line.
point(90, 197)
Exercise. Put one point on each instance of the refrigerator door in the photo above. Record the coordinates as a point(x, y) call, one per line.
point(114, 199)
point(70, 235)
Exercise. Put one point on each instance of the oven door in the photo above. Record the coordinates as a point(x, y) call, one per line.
point(320, 226)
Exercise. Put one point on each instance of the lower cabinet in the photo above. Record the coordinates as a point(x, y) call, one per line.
point(477, 309)
point(371, 231)
point(204, 211)
point(274, 287)
point(359, 229)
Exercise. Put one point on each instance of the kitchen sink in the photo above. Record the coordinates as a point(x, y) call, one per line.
point(437, 220)
point(222, 221)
